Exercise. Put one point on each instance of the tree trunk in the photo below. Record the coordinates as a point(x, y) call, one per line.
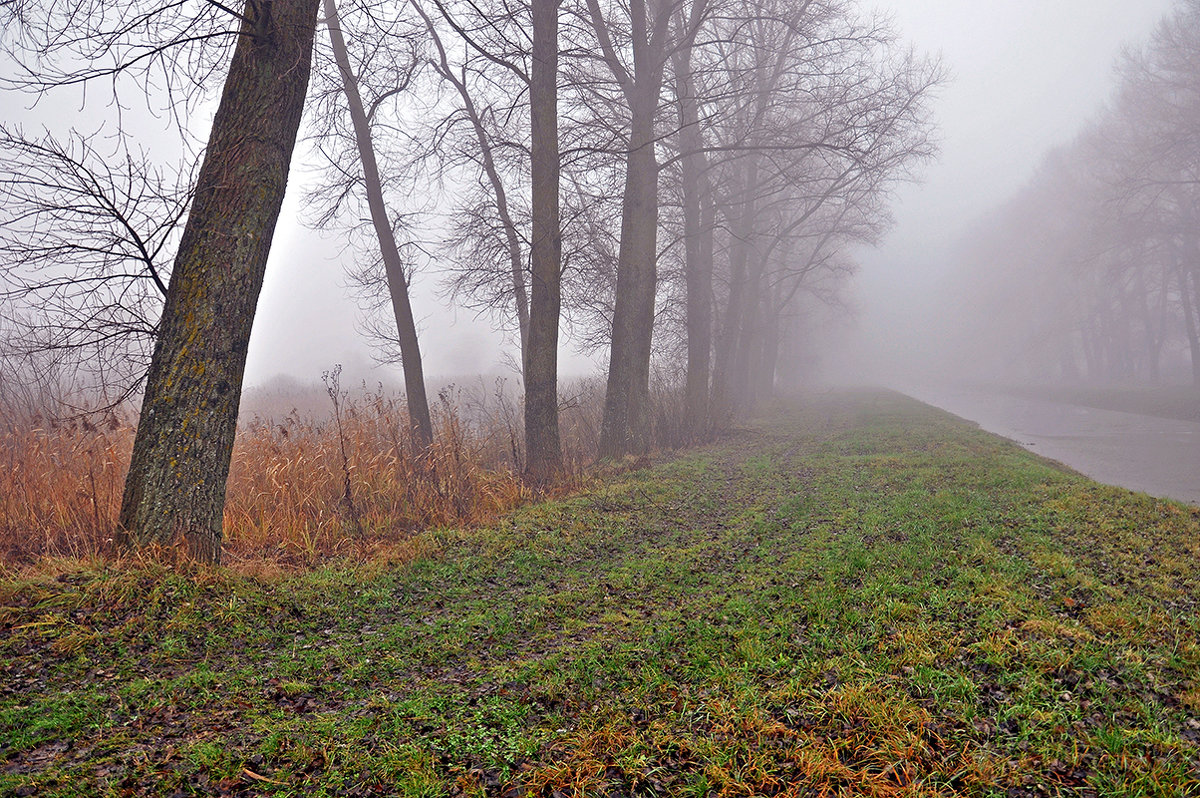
point(1189, 318)
point(176, 481)
point(747, 361)
point(625, 427)
point(393, 265)
point(1193, 274)
point(626, 424)
point(723, 389)
point(542, 447)
point(698, 249)
point(768, 363)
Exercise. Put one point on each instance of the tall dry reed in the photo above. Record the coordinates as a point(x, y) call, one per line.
point(302, 487)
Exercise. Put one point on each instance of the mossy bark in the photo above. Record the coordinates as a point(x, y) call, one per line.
point(176, 483)
point(543, 450)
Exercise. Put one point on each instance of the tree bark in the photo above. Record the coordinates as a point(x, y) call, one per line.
point(625, 427)
point(698, 249)
point(393, 264)
point(543, 454)
point(176, 482)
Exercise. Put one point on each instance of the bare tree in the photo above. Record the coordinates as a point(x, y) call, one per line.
point(490, 230)
point(543, 450)
point(1098, 258)
point(393, 264)
point(176, 482)
point(639, 70)
point(85, 242)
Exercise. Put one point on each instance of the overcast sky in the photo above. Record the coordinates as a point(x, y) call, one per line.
point(1027, 77)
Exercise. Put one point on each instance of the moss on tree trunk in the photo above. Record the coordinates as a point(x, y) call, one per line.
point(176, 482)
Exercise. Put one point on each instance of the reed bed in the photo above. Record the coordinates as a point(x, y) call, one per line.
point(302, 488)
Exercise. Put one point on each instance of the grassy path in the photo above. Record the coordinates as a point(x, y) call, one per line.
point(857, 596)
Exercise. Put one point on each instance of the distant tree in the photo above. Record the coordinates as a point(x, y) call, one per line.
point(831, 112)
point(1091, 270)
point(393, 263)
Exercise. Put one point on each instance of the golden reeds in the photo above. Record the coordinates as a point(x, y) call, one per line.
point(292, 499)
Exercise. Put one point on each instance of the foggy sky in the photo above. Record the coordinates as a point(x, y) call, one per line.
point(1027, 77)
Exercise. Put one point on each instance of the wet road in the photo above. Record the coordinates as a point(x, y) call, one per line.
point(1156, 455)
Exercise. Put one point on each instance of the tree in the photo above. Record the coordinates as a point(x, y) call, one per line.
point(176, 482)
point(698, 209)
point(477, 238)
point(393, 264)
point(640, 79)
point(86, 238)
point(1099, 256)
point(542, 448)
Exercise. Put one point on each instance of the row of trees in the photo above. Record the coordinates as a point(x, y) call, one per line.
point(670, 176)
point(1094, 269)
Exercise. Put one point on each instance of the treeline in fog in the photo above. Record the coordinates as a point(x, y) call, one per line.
point(1092, 272)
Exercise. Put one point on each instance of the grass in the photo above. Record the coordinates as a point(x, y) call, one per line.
point(858, 595)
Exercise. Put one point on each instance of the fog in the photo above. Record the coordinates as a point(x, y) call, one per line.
point(1025, 83)
point(1027, 78)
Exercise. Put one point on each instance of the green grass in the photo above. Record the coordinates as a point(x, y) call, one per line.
point(858, 595)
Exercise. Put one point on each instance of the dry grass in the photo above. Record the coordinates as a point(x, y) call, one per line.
point(302, 488)
point(60, 488)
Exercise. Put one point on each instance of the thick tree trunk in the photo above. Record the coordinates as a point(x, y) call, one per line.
point(393, 264)
point(176, 482)
point(543, 454)
point(698, 250)
point(626, 424)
